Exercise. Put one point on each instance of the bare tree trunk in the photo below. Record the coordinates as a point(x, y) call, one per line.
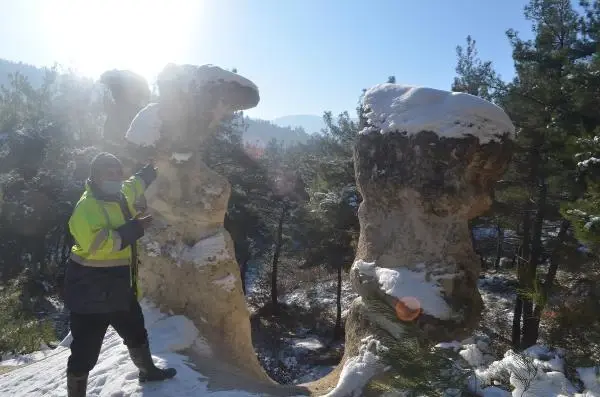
point(499, 246)
point(243, 270)
point(516, 328)
point(276, 254)
point(524, 253)
point(338, 317)
point(529, 323)
point(533, 334)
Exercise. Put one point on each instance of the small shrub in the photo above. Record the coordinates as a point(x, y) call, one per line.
point(20, 331)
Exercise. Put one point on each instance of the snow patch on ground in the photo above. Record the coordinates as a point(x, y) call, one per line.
point(494, 391)
point(174, 334)
point(535, 372)
point(472, 355)
point(310, 343)
point(115, 374)
point(322, 294)
point(406, 283)
point(586, 163)
point(591, 380)
point(24, 359)
point(498, 295)
point(144, 129)
point(409, 109)
point(181, 157)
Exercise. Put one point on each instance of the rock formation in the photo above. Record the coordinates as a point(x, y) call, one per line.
point(425, 163)
point(188, 262)
point(127, 93)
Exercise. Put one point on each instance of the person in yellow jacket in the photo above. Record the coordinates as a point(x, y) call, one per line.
point(100, 286)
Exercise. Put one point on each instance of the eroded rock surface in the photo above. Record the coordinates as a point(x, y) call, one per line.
point(425, 162)
point(188, 262)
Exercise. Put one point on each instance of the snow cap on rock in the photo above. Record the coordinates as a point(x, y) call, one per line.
point(410, 109)
point(191, 75)
point(144, 129)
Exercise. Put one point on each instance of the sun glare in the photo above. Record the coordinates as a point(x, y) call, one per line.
point(143, 36)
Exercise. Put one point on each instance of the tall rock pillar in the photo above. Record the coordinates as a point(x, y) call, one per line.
point(425, 162)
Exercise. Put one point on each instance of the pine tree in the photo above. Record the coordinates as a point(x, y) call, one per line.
point(249, 205)
point(584, 82)
point(540, 176)
point(333, 226)
point(540, 102)
point(475, 76)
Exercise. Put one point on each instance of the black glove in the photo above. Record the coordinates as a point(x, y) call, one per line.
point(148, 174)
point(130, 232)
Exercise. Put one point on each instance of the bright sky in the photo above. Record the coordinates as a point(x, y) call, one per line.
point(305, 56)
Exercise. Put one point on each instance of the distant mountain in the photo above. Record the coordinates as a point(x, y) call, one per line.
point(310, 123)
point(260, 132)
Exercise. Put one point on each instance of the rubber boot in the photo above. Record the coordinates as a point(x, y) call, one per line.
point(76, 385)
point(142, 359)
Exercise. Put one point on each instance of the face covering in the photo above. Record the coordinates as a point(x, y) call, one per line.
point(112, 188)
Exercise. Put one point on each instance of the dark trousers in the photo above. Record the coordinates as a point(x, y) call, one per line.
point(88, 332)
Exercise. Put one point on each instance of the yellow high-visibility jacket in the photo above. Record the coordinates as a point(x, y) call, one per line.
point(98, 277)
point(93, 225)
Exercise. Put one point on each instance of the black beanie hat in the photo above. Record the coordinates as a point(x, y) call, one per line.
point(103, 161)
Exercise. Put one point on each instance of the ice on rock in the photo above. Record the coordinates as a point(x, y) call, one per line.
point(410, 109)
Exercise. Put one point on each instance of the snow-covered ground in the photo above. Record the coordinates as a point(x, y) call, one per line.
point(536, 372)
point(304, 351)
point(498, 295)
point(539, 371)
point(43, 373)
point(322, 294)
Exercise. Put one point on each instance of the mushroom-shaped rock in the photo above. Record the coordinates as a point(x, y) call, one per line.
point(188, 261)
point(193, 100)
point(425, 163)
point(128, 92)
point(192, 96)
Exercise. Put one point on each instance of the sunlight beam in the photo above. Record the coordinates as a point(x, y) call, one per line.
point(143, 36)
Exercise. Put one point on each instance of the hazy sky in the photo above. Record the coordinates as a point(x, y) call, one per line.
point(305, 56)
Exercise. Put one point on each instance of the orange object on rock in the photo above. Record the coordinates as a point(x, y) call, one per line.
point(408, 308)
